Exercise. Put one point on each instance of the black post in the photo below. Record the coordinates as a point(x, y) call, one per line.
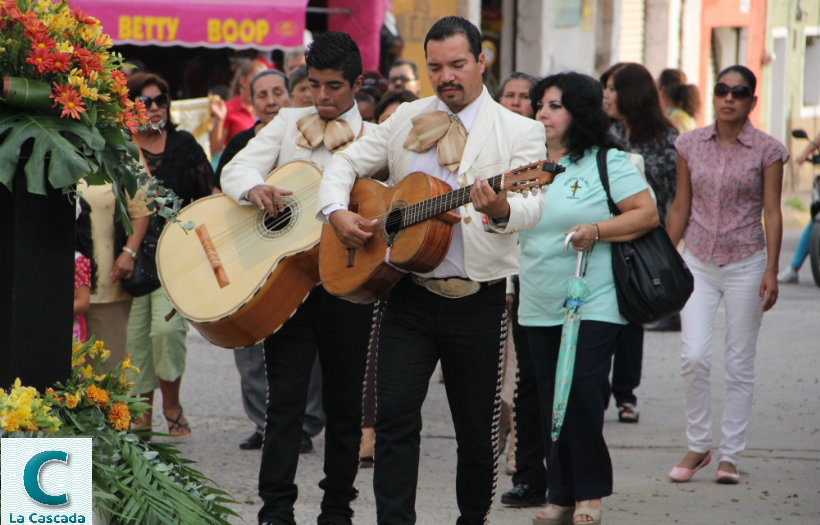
point(36, 285)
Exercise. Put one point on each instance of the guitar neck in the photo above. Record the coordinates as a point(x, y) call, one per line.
point(423, 210)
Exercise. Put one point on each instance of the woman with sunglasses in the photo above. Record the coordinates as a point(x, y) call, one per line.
point(157, 346)
point(728, 173)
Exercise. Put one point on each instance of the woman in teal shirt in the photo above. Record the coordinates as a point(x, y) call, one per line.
point(569, 105)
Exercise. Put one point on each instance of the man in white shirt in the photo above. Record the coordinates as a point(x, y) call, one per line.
point(420, 326)
point(335, 329)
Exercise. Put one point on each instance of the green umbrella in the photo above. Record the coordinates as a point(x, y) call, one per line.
point(576, 293)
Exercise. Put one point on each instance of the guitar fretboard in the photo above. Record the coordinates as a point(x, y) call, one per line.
point(423, 210)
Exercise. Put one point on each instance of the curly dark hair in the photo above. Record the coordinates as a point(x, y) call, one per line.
point(638, 102)
point(336, 51)
point(583, 97)
point(83, 242)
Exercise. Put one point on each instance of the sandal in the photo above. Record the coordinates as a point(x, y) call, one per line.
point(584, 509)
point(627, 413)
point(553, 515)
point(178, 427)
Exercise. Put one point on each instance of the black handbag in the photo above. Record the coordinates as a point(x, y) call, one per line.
point(144, 279)
point(651, 279)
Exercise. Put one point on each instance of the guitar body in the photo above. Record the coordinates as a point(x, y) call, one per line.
point(363, 275)
point(251, 272)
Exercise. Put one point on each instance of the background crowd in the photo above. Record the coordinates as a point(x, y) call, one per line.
point(661, 169)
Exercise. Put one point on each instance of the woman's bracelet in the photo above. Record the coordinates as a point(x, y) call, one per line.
point(130, 252)
point(597, 232)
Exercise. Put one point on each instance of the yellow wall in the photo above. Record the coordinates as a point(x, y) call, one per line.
point(414, 18)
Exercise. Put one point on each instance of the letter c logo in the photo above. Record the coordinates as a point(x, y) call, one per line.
point(31, 477)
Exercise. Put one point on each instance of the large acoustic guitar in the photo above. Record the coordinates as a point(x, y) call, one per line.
point(240, 273)
point(414, 230)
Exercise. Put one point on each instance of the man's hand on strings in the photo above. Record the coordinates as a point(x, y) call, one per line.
point(268, 198)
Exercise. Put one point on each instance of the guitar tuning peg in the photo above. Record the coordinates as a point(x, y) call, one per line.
point(535, 191)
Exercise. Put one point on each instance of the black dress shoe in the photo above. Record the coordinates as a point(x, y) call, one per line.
point(306, 445)
point(252, 443)
point(524, 495)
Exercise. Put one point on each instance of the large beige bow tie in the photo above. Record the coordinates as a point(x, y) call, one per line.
point(314, 130)
point(442, 128)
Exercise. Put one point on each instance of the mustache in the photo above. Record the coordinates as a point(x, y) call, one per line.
point(449, 85)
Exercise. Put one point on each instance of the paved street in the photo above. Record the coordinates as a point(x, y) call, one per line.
point(780, 471)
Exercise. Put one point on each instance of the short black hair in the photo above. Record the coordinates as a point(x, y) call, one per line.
point(336, 51)
point(583, 97)
point(270, 72)
point(402, 62)
point(744, 71)
point(455, 25)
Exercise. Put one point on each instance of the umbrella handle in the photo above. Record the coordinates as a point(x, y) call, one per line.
point(579, 261)
point(567, 240)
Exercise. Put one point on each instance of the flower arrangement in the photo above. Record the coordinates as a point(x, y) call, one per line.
point(134, 480)
point(64, 104)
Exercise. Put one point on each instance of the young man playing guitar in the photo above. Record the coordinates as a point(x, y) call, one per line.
point(420, 325)
point(338, 330)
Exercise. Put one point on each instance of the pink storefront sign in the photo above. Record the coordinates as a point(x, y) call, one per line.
point(209, 23)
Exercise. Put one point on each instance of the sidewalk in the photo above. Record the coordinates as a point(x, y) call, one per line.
point(780, 471)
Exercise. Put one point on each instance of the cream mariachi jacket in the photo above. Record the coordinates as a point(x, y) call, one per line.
point(274, 145)
point(499, 140)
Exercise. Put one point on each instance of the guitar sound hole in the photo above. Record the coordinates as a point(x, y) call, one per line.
point(392, 224)
point(280, 225)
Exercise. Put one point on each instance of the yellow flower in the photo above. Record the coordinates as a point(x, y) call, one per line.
point(87, 371)
point(64, 46)
point(91, 94)
point(71, 400)
point(42, 6)
point(77, 346)
point(99, 345)
point(97, 395)
point(119, 416)
point(10, 422)
point(126, 364)
point(105, 352)
point(123, 379)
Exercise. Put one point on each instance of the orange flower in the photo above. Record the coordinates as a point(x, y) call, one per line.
point(40, 57)
point(97, 395)
point(81, 16)
point(60, 62)
point(88, 60)
point(43, 41)
point(119, 416)
point(71, 400)
point(71, 101)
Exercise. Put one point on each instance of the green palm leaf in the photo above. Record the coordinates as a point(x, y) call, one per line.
point(71, 145)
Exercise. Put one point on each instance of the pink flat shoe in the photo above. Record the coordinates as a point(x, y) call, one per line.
point(682, 474)
point(727, 478)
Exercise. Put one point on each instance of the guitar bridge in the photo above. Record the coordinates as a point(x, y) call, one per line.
point(212, 255)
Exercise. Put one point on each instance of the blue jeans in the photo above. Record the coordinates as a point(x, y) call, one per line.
point(802, 248)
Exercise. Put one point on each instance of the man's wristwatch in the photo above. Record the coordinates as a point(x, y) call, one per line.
point(130, 252)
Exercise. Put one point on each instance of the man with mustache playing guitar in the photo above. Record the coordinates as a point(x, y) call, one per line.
point(337, 329)
point(455, 313)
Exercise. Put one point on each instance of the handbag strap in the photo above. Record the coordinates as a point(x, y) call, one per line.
point(604, 174)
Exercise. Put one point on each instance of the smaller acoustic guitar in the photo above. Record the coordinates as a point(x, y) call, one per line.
point(414, 231)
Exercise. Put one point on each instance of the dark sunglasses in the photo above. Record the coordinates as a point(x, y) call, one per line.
point(160, 100)
point(738, 92)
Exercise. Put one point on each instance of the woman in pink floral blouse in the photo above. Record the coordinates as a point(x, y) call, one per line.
point(728, 173)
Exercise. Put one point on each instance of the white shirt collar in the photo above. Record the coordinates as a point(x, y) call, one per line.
point(467, 115)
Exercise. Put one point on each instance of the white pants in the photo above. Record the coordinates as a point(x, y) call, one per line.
point(738, 283)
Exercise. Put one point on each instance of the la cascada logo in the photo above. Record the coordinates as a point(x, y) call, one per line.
point(46, 480)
